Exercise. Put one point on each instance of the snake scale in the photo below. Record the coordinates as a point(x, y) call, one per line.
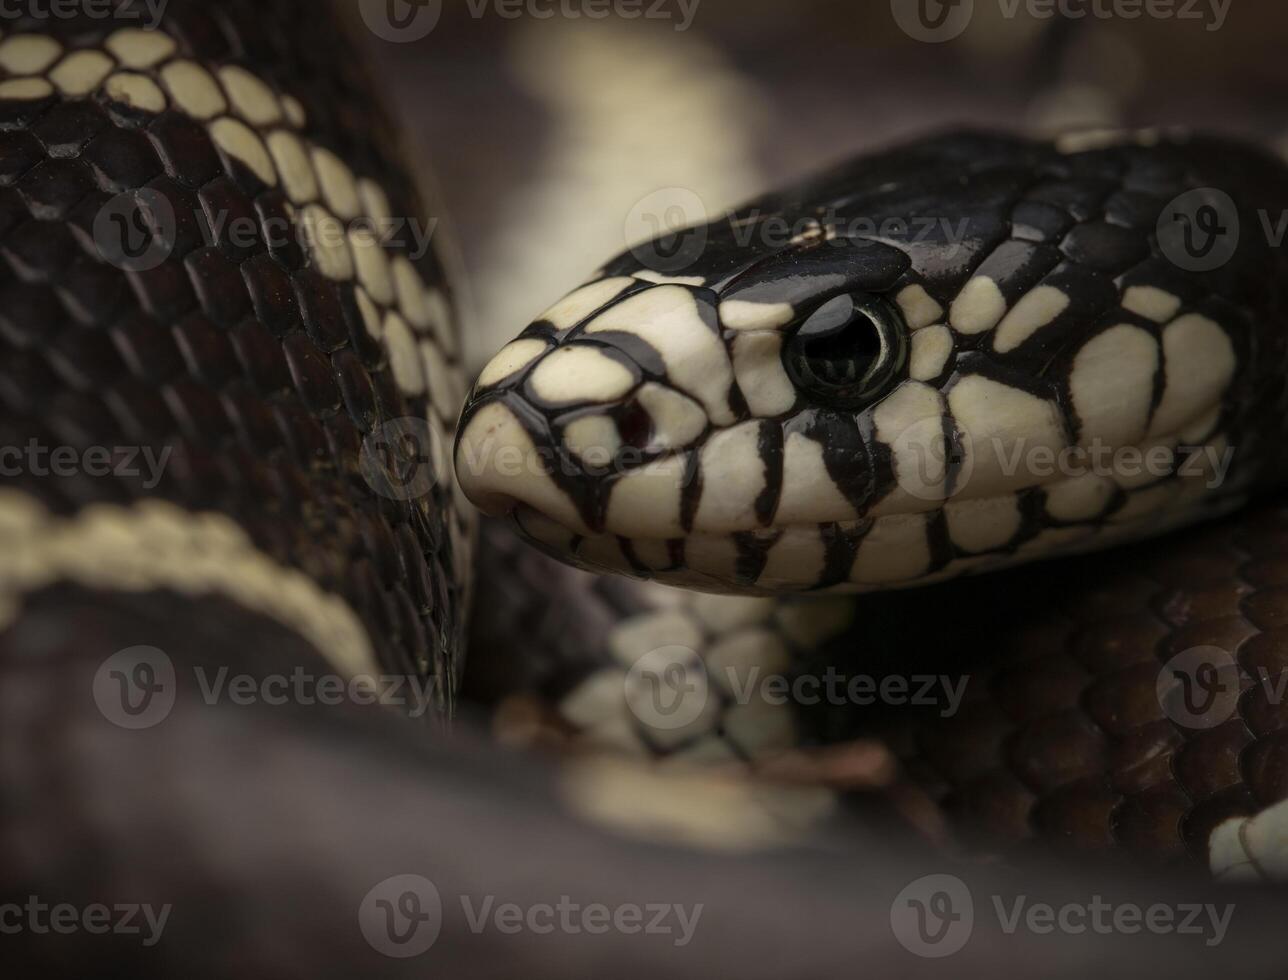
point(234, 382)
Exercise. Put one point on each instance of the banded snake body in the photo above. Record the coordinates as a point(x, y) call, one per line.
point(827, 413)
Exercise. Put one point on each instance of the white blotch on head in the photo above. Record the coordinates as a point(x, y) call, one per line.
point(497, 463)
point(984, 524)
point(758, 365)
point(739, 314)
point(930, 351)
point(581, 303)
point(677, 419)
point(1151, 302)
point(579, 373)
point(194, 89)
point(1112, 385)
point(1035, 310)
point(593, 438)
point(645, 502)
point(978, 307)
point(81, 72)
point(1001, 426)
point(1199, 362)
point(910, 421)
point(733, 476)
point(137, 48)
point(895, 550)
point(660, 279)
point(919, 308)
point(667, 318)
point(810, 495)
point(512, 358)
point(1079, 498)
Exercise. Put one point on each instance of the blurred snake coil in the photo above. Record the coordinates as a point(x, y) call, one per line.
point(229, 395)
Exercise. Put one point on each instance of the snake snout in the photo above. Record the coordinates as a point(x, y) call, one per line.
point(501, 462)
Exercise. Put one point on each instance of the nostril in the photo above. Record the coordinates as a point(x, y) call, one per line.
point(635, 425)
point(660, 419)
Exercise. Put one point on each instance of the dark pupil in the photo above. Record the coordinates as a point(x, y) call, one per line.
point(839, 344)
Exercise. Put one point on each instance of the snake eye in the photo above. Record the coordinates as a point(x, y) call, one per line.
point(847, 351)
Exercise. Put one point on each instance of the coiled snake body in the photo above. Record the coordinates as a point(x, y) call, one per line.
point(831, 409)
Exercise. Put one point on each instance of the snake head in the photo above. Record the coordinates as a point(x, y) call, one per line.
point(957, 355)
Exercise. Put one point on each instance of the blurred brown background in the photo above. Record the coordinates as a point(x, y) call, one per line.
point(546, 126)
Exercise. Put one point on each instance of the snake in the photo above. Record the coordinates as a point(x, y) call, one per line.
point(240, 455)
